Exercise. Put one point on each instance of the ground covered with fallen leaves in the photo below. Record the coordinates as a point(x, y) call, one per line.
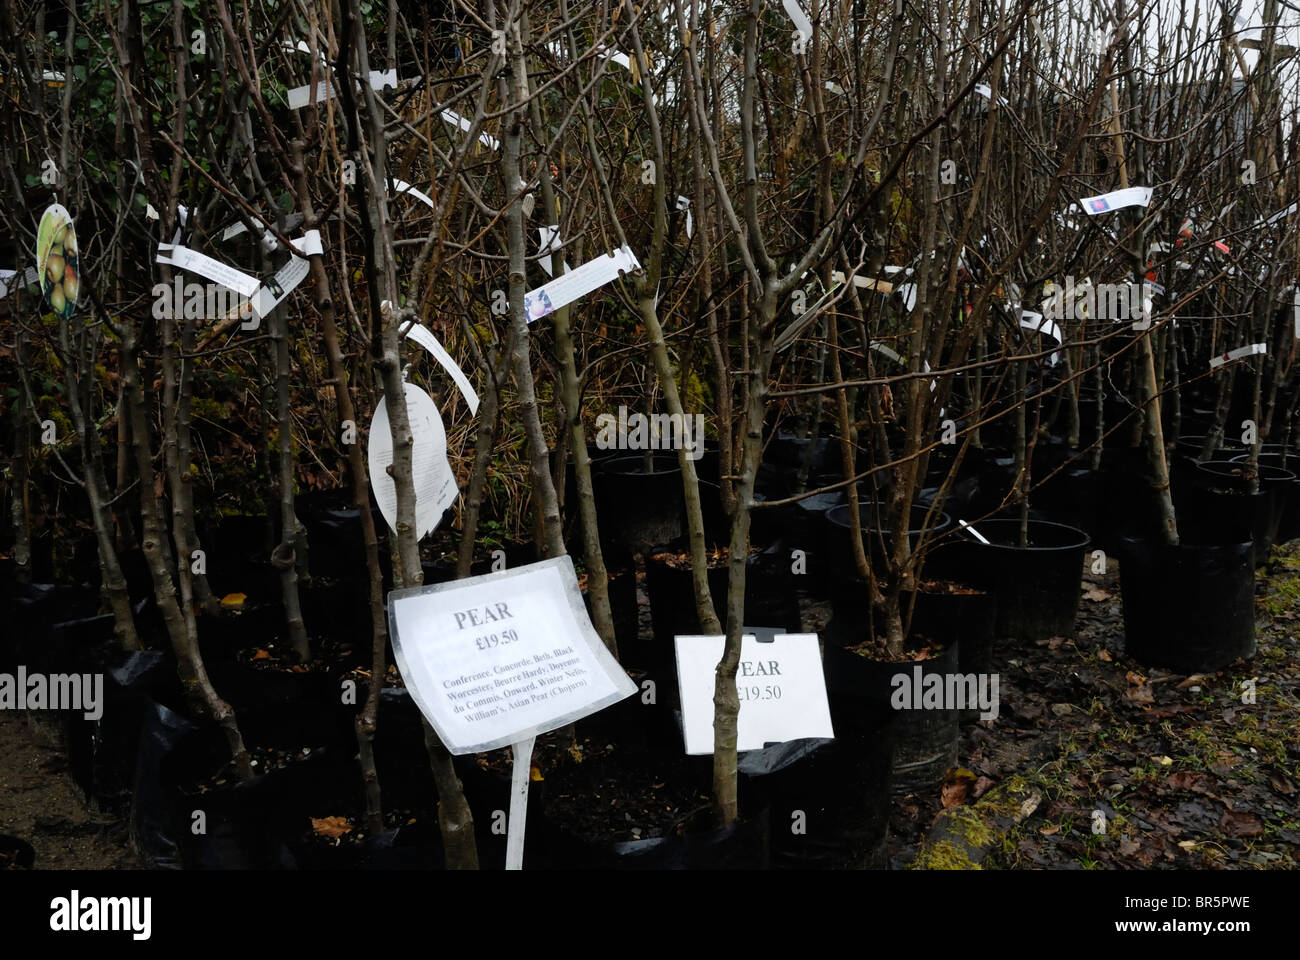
point(1116, 766)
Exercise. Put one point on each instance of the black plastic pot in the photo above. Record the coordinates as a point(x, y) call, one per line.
point(742, 846)
point(638, 724)
point(925, 740)
point(15, 853)
point(639, 509)
point(412, 846)
point(968, 620)
point(769, 602)
point(1289, 527)
point(622, 608)
point(839, 549)
point(840, 792)
point(1220, 509)
point(1037, 587)
point(1188, 608)
point(245, 824)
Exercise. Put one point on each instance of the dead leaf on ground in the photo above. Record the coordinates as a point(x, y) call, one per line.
point(1029, 805)
point(1192, 681)
point(1127, 848)
point(1096, 594)
point(1104, 654)
point(1187, 780)
point(981, 787)
point(234, 599)
point(1051, 831)
point(1138, 695)
point(261, 655)
point(954, 794)
point(1280, 784)
point(331, 826)
point(1235, 824)
point(1135, 678)
point(956, 786)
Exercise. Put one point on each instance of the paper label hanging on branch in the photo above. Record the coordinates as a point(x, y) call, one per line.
point(425, 338)
point(684, 203)
point(451, 116)
point(1116, 200)
point(435, 484)
point(798, 18)
point(238, 227)
point(548, 242)
point(9, 281)
point(492, 660)
point(781, 685)
point(401, 186)
point(301, 96)
point(1034, 321)
point(194, 262)
point(270, 294)
point(578, 283)
point(1249, 350)
point(985, 91)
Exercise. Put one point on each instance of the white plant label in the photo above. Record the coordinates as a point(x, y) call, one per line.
point(238, 227)
point(401, 186)
point(684, 203)
point(194, 262)
point(425, 338)
point(548, 244)
point(467, 125)
point(1246, 351)
point(262, 297)
point(435, 484)
point(31, 275)
point(798, 18)
point(1116, 200)
point(861, 282)
point(301, 96)
point(575, 284)
point(495, 659)
point(781, 685)
point(1034, 321)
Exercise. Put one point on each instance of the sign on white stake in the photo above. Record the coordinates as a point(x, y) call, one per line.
point(496, 660)
point(781, 685)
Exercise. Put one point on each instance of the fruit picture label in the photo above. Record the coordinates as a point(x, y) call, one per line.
point(57, 261)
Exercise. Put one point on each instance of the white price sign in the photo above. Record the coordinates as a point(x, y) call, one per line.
point(781, 685)
point(497, 659)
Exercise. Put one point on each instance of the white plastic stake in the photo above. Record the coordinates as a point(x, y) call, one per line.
point(974, 533)
point(519, 777)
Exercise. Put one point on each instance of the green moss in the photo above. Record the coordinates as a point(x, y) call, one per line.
point(943, 855)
